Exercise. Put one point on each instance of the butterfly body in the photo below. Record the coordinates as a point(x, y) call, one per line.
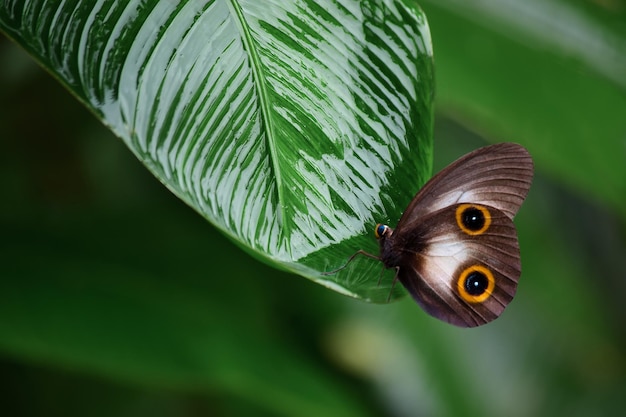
point(455, 248)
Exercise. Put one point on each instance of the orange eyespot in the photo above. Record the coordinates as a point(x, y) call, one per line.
point(473, 219)
point(476, 284)
point(380, 230)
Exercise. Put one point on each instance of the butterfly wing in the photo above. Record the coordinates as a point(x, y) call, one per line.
point(464, 277)
point(498, 176)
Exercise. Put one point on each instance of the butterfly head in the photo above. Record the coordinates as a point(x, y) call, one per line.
point(382, 231)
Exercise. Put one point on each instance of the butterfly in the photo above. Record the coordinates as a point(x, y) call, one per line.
point(455, 248)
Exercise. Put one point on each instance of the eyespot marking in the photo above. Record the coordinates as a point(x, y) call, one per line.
point(473, 219)
point(476, 284)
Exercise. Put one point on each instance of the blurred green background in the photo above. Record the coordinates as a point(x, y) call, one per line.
point(116, 299)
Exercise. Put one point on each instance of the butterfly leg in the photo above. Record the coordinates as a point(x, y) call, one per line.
point(393, 284)
point(360, 252)
point(380, 276)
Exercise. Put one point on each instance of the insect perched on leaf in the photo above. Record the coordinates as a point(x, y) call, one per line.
point(455, 248)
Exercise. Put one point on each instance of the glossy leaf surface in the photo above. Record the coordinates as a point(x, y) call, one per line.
point(292, 128)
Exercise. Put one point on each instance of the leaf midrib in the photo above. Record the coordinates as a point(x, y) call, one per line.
point(261, 87)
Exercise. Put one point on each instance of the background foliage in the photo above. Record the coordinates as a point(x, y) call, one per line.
point(106, 309)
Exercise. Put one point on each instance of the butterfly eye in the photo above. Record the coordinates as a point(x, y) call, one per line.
point(473, 219)
point(476, 284)
point(380, 230)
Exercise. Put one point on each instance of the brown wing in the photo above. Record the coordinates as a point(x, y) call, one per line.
point(498, 176)
point(439, 258)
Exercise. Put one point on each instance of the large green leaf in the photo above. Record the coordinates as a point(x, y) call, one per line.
point(292, 126)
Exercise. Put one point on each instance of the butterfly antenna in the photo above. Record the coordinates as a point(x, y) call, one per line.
point(357, 253)
point(393, 284)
